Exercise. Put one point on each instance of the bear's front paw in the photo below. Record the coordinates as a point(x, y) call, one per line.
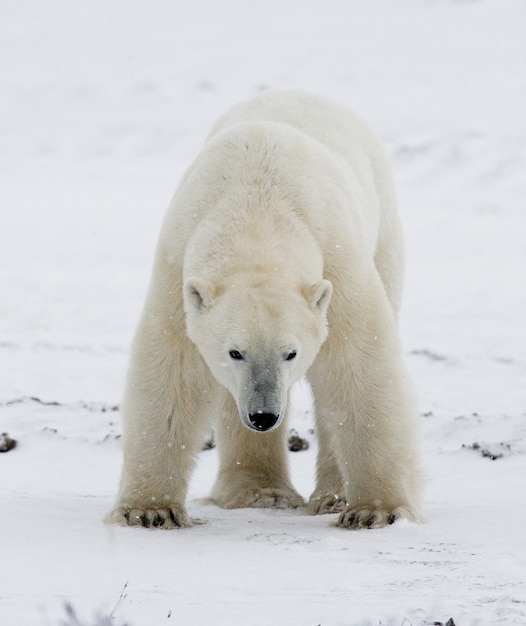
point(328, 503)
point(174, 516)
point(355, 518)
point(263, 498)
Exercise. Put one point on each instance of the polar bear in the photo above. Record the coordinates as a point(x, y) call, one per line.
point(280, 257)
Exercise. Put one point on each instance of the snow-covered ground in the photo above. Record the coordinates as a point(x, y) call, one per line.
point(102, 106)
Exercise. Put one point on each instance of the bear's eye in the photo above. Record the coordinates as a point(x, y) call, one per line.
point(291, 355)
point(236, 355)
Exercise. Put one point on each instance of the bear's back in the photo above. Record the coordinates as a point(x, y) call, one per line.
point(333, 125)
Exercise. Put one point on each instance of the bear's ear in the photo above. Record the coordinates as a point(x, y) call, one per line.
point(318, 296)
point(200, 293)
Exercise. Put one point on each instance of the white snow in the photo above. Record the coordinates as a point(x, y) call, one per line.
point(102, 106)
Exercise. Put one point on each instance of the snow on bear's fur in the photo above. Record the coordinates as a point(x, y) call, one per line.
point(280, 257)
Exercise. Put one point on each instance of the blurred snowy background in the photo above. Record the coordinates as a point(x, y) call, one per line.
point(102, 107)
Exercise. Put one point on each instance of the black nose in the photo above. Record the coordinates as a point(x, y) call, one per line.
point(263, 421)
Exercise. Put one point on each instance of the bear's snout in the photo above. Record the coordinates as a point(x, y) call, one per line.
point(263, 421)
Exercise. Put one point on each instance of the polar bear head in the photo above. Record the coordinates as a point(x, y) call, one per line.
point(258, 340)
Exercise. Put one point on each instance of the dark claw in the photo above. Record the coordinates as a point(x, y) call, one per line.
point(391, 519)
point(159, 521)
point(353, 520)
point(369, 522)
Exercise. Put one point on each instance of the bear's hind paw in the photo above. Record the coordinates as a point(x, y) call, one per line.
point(322, 505)
point(263, 498)
point(277, 499)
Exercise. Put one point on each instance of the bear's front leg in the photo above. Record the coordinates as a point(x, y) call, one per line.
point(156, 471)
point(253, 470)
point(378, 463)
point(363, 398)
point(168, 399)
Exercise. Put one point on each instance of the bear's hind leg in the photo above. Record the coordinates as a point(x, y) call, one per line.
point(329, 495)
point(253, 470)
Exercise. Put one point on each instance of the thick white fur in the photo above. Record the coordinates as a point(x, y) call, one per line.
point(289, 192)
